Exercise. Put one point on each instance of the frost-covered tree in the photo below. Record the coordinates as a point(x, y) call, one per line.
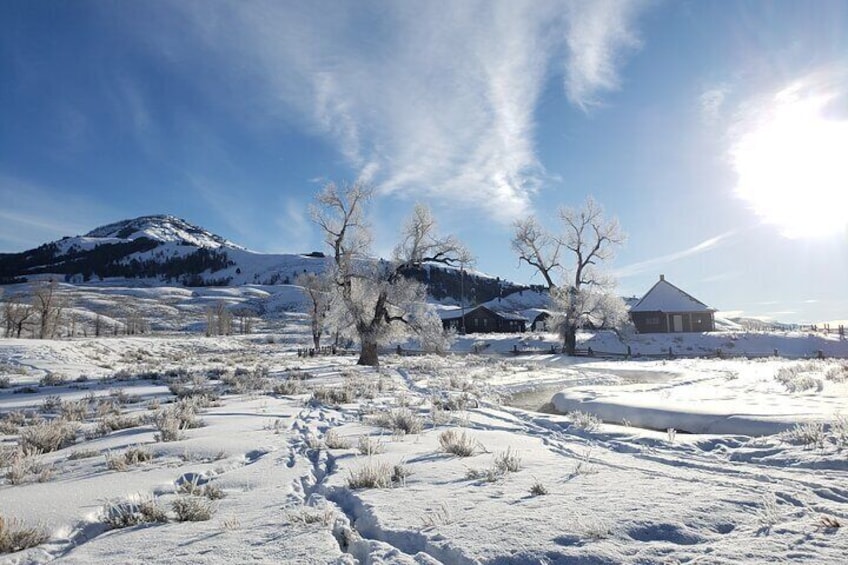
point(48, 304)
point(318, 289)
point(376, 300)
point(16, 312)
point(577, 252)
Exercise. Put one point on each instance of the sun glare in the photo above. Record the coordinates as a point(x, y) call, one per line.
point(793, 166)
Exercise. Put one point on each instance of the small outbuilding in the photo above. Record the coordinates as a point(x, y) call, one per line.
point(667, 309)
point(483, 320)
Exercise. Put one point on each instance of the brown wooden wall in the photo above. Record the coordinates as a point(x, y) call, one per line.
point(663, 322)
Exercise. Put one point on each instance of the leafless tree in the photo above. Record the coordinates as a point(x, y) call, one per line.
point(318, 289)
point(536, 247)
point(48, 304)
point(376, 297)
point(245, 317)
point(589, 239)
point(16, 312)
point(219, 320)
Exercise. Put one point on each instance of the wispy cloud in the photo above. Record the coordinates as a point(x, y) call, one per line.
point(599, 34)
point(33, 214)
point(432, 99)
point(651, 264)
point(712, 102)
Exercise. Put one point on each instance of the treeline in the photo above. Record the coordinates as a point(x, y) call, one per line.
point(451, 283)
point(109, 260)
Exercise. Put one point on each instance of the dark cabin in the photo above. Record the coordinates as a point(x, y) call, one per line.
point(667, 309)
point(483, 320)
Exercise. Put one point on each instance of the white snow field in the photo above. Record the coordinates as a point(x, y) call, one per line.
point(316, 460)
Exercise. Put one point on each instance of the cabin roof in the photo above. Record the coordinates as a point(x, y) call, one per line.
point(665, 297)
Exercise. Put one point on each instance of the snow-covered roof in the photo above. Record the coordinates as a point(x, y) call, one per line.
point(665, 297)
point(456, 313)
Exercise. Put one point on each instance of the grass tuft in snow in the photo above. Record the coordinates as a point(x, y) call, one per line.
point(508, 461)
point(47, 436)
point(458, 443)
point(439, 516)
point(538, 489)
point(134, 455)
point(15, 536)
point(132, 512)
point(305, 515)
point(190, 508)
point(332, 440)
point(399, 420)
point(809, 434)
point(23, 465)
point(799, 377)
point(370, 446)
point(372, 474)
point(584, 420)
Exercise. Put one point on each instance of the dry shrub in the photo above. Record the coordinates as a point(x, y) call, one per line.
point(15, 536)
point(132, 512)
point(373, 474)
point(23, 464)
point(508, 461)
point(74, 411)
point(400, 420)
point(584, 420)
point(49, 435)
point(134, 455)
point(190, 508)
point(370, 446)
point(458, 443)
point(332, 440)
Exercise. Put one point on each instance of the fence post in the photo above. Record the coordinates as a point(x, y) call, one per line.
point(670, 353)
point(718, 352)
point(776, 354)
point(820, 354)
point(629, 353)
point(590, 353)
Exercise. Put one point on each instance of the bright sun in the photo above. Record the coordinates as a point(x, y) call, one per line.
point(793, 166)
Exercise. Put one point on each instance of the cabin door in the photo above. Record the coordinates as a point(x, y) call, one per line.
point(677, 321)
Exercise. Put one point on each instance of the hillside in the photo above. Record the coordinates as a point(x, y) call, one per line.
point(166, 250)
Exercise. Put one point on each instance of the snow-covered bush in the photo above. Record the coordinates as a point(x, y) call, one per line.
point(15, 536)
point(538, 489)
point(24, 464)
point(508, 461)
point(584, 420)
point(370, 446)
point(189, 508)
point(47, 436)
point(799, 378)
point(809, 434)
point(132, 512)
point(134, 455)
point(332, 440)
point(372, 474)
point(458, 443)
point(402, 420)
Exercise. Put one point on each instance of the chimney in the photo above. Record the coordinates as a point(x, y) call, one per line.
point(662, 277)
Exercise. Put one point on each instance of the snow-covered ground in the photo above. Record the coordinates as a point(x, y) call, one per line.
point(282, 442)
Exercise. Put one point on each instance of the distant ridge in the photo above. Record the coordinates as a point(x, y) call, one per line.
point(164, 249)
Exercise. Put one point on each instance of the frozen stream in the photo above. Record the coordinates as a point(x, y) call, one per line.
point(539, 399)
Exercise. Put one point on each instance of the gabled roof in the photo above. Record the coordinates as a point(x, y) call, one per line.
point(665, 297)
point(456, 313)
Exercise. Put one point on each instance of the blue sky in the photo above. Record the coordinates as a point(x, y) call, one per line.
point(717, 132)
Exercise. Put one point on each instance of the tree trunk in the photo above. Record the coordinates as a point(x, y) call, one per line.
point(316, 341)
point(569, 341)
point(368, 353)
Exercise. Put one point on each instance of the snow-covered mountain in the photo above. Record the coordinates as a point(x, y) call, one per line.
point(164, 249)
point(162, 228)
point(155, 249)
